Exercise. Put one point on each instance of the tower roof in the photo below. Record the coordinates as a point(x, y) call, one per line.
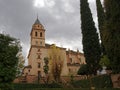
point(37, 21)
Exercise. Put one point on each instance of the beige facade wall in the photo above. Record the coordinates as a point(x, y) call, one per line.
point(39, 50)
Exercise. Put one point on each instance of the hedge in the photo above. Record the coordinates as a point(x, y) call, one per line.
point(103, 81)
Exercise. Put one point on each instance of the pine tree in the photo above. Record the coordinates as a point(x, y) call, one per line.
point(101, 21)
point(91, 46)
point(112, 33)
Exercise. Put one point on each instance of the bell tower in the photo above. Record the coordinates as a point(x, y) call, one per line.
point(37, 34)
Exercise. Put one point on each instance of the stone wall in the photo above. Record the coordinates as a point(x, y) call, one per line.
point(116, 80)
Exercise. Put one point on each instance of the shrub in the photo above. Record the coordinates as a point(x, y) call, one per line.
point(103, 81)
point(83, 70)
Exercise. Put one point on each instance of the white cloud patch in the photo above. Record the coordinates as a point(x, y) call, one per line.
point(44, 3)
point(39, 3)
point(67, 6)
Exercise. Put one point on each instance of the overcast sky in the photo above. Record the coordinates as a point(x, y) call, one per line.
point(60, 18)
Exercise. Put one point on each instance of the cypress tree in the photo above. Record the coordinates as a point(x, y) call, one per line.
point(101, 21)
point(91, 46)
point(112, 33)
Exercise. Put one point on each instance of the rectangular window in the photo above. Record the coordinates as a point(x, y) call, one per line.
point(71, 60)
point(38, 57)
point(41, 34)
point(40, 43)
point(38, 65)
point(36, 42)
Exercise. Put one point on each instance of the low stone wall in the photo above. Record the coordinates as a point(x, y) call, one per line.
point(31, 79)
point(65, 79)
point(116, 80)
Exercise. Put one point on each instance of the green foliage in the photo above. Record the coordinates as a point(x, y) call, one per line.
point(111, 37)
point(35, 86)
point(104, 61)
point(103, 81)
point(91, 46)
point(56, 62)
point(66, 89)
point(46, 67)
point(101, 21)
point(20, 65)
point(83, 70)
point(71, 78)
point(8, 60)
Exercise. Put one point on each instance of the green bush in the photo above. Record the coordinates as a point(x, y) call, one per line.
point(103, 81)
point(83, 70)
point(6, 86)
point(35, 86)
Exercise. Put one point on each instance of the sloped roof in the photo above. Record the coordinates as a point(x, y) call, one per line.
point(37, 21)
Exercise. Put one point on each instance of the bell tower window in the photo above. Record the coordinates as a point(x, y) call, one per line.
point(41, 34)
point(36, 34)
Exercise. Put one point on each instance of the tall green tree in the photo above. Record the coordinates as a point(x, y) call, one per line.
point(46, 69)
point(91, 46)
point(112, 33)
point(101, 21)
point(56, 62)
point(21, 62)
point(8, 61)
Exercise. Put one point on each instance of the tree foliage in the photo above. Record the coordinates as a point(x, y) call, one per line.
point(111, 37)
point(56, 62)
point(8, 60)
point(101, 21)
point(105, 61)
point(91, 46)
point(20, 65)
point(46, 69)
point(83, 70)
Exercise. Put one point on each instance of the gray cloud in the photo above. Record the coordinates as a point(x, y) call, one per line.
point(61, 21)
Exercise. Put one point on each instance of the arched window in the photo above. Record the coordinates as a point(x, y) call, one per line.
point(40, 34)
point(35, 33)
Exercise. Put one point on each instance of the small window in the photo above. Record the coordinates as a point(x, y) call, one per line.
point(38, 65)
point(80, 59)
point(71, 60)
point(39, 73)
point(40, 43)
point(38, 50)
point(35, 33)
point(38, 56)
point(36, 42)
point(41, 34)
point(29, 70)
point(69, 70)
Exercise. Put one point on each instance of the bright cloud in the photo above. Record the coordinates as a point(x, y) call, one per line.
point(39, 3)
point(44, 3)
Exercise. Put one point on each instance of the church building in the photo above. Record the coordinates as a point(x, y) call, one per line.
point(39, 50)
